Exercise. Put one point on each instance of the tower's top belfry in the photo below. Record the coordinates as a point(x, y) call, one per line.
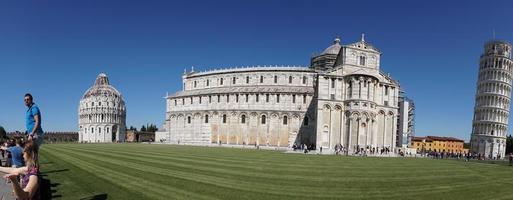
point(497, 48)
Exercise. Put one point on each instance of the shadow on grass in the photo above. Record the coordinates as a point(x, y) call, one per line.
point(56, 171)
point(47, 187)
point(96, 197)
point(494, 162)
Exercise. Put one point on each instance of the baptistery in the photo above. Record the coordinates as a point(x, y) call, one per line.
point(102, 113)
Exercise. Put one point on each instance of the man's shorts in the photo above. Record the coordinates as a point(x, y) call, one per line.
point(38, 139)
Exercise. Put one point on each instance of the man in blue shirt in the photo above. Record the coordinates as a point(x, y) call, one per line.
point(33, 121)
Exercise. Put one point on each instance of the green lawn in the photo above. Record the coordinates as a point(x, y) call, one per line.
point(141, 171)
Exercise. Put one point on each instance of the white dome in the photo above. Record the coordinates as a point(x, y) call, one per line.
point(333, 49)
point(102, 113)
point(102, 87)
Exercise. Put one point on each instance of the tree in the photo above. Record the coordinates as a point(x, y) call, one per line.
point(3, 133)
point(143, 128)
point(509, 144)
point(132, 128)
point(152, 128)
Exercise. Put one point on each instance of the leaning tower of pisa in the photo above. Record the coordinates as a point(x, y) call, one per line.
point(493, 99)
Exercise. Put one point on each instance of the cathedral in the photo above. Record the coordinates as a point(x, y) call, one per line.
point(342, 98)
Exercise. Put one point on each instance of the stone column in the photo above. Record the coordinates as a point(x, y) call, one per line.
point(228, 130)
point(349, 139)
point(354, 88)
point(374, 133)
point(342, 127)
point(331, 128)
point(394, 132)
point(384, 129)
point(319, 130)
point(368, 132)
point(358, 124)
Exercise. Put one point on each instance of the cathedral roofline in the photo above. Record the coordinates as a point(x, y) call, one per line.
point(249, 69)
point(271, 89)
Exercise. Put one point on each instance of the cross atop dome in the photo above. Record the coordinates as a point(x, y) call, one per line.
point(363, 37)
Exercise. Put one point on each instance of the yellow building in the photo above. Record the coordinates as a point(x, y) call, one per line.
point(438, 144)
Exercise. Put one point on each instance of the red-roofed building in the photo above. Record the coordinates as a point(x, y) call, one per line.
point(438, 144)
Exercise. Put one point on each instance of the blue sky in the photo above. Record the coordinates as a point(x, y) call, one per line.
point(55, 49)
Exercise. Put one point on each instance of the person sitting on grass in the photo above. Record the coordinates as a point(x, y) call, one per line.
point(29, 188)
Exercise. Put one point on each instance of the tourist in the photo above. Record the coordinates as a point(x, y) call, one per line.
point(511, 159)
point(16, 153)
point(1, 150)
point(29, 188)
point(8, 161)
point(33, 121)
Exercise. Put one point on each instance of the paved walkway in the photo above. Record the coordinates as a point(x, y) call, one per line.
point(6, 192)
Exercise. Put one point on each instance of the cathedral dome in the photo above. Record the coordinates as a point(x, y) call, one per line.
point(334, 48)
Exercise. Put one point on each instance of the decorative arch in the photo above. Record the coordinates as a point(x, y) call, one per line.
point(243, 113)
point(355, 113)
point(365, 115)
point(274, 115)
point(347, 113)
point(373, 115)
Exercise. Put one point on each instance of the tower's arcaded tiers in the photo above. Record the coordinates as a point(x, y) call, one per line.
point(102, 113)
point(493, 99)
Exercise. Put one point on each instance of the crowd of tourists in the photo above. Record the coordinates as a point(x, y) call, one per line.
point(303, 147)
point(361, 151)
point(20, 155)
point(444, 155)
point(467, 156)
